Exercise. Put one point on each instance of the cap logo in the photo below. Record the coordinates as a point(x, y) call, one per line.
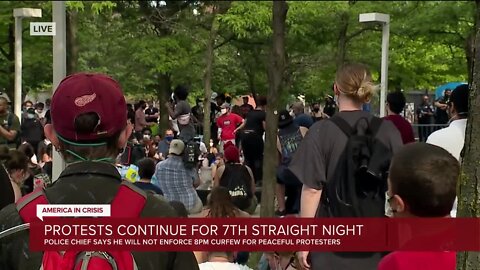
point(84, 100)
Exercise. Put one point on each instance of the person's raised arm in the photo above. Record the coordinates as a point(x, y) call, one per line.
point(218, 176)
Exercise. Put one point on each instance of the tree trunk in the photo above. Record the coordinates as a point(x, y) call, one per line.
point(207, 79)
point(163, 93)
point(251, 83)
point(72, 45)
point(342, 40)
point(275, 77)
point(468, 190)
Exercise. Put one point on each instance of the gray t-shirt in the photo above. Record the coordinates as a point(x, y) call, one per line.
point(314, 163)
point(315, 160)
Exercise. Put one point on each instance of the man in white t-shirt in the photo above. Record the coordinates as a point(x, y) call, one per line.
point(452, 138)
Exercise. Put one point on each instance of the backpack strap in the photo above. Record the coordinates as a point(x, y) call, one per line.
point(129, 201)
point(343, 125)
point(27, 205)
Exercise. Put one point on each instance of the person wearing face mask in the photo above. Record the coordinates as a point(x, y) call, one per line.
point(431, 171)
point(319, 164)
point(32, 129)
point(89, 127)
point(164, 145)
point(40, 112)
point(228, 124)
point(140, 117)
point(317, 114)
point(330, 106)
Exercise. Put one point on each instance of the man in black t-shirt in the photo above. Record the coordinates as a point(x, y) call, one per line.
point(252, 142)
point(245, 108)
point(441, 115)
point(151, 113)
point(425, 118)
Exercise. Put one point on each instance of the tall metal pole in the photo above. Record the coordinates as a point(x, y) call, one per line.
point(59, 68)
point(18, 68)
point(384, 67)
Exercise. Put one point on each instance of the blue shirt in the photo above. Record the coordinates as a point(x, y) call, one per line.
point(176, 181)
point(303, 120)
point(163, 147)
point(149, 187)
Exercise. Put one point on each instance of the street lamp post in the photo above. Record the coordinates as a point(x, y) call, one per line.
point(59, 67)
point(384, 19)
point(19, 14)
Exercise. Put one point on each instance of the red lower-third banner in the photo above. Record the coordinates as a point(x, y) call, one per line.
point(256, 234)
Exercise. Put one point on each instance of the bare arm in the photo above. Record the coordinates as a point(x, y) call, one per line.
point(218, 176)
point(8, 134)
point(252, 179)
point(196, 179)
point(242, 125)
point(142, 120)
point(171, 113)
point(309, 202)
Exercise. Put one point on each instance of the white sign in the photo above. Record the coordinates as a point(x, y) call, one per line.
point(73, 210)
point(42, 29)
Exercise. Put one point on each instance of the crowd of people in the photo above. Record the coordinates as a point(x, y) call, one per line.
point(106, 147)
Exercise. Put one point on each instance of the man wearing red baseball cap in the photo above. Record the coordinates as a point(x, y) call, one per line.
point(89, 129)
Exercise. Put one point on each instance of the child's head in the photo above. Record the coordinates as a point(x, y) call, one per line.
point(146, 168)
point(422, 181)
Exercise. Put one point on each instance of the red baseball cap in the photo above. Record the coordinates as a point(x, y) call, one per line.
point(88, 93)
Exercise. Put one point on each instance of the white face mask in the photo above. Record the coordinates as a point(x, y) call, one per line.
point(388, 208)
point(335, 99)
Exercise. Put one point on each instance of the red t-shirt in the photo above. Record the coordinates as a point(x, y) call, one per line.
point(228, 123)
point(403, 260)
point(404, 127)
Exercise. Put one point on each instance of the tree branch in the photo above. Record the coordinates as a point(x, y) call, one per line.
point(356, 33)
point(447, 33)
point(225, 41)
point(4, 53)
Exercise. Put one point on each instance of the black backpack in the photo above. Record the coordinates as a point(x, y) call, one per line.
point(360, 179)
point(190, 154)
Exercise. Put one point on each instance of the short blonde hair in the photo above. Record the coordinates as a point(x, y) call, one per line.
point(355, 81)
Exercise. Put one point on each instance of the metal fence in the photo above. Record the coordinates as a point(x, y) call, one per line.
point(422, 131)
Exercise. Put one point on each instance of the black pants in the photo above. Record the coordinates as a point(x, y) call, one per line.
point(424, 130)
point(252, 145)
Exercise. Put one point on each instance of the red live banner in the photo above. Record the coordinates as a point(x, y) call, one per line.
point(256, 234)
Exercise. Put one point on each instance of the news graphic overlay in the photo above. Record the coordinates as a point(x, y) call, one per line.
point(256, 234)
point(73, 210)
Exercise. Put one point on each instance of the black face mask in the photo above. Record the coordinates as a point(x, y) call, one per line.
point(316, 109)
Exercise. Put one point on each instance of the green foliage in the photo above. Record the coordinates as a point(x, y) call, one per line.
point(121, 38)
